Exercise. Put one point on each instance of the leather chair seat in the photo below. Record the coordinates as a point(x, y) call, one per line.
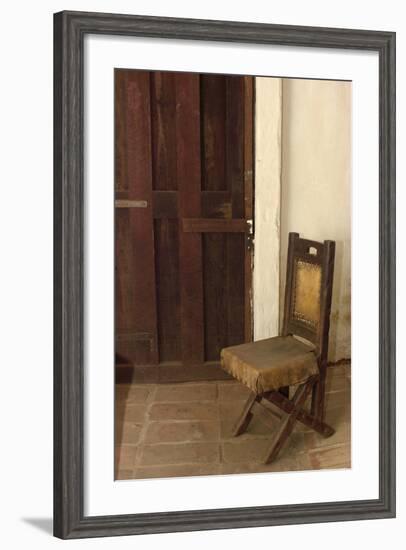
point(270, 364)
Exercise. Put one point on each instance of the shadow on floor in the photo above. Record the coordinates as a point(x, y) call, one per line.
point(186, 429)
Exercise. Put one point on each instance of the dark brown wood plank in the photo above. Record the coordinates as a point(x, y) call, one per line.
point(135, 287)
point(235, 143)
point(190, 244)
point(215, 297)
point(163, 113)
point(125, 292)
point(213, 109)
point(248, 203)
point(235, 288)
point(120, 132)
point(216, 203)
point(214, 225)
point(168, 291)
point(165, 212)
point(235, 183)
point(165, 204)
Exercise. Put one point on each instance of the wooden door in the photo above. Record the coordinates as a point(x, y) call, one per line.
point(183, 210)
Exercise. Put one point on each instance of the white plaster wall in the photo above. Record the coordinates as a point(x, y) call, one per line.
point(268, 107)
point(316, 185)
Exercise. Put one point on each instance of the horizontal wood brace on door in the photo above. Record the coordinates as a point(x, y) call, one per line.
point(215, 204)
point(126, 203)
point(213, 225)
point(134, 337)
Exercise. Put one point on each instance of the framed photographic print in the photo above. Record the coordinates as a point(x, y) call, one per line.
point(224, 275)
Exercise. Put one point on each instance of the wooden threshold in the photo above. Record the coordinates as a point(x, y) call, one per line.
point(169, 372)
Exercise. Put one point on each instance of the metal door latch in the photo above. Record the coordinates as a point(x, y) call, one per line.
point(250, 235)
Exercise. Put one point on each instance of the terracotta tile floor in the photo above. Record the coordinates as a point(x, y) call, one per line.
point(165, 430)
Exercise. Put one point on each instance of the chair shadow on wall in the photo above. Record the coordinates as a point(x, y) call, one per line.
point(335, 320)
point(337, 292)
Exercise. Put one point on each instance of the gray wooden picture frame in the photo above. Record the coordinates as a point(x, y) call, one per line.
point(69, 31)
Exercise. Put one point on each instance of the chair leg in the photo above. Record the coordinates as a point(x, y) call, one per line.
point(243, 422)
point(288, 423)
point(304, 417)
point(318, 397)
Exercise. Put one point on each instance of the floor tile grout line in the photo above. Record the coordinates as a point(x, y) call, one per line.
point(219, 401)
point(144, 429)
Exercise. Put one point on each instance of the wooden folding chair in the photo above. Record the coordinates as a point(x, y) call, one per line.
point(269, 367)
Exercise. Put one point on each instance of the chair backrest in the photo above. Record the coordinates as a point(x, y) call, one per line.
point(309, 285)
